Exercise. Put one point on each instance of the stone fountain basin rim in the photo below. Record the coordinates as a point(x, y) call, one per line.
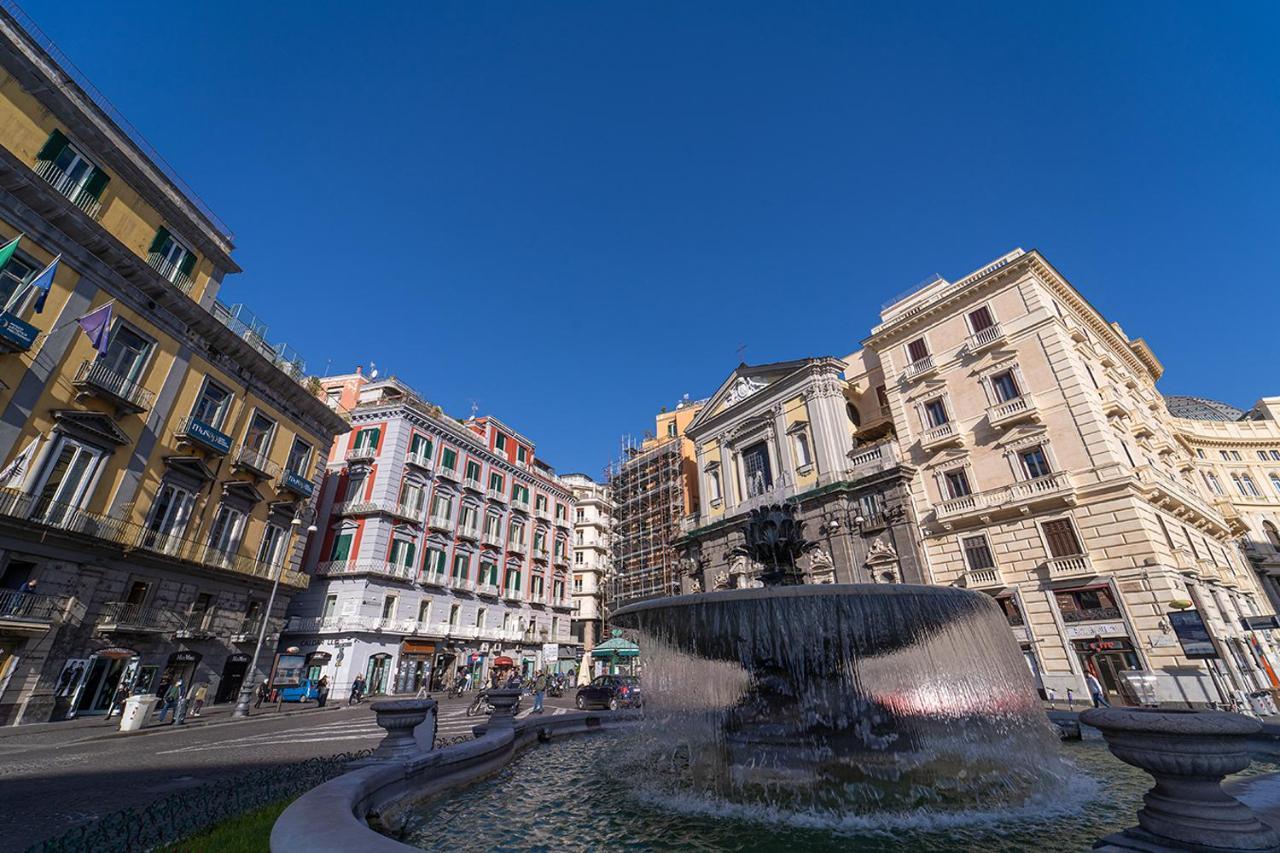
point(798, 591)
point(1161, 721)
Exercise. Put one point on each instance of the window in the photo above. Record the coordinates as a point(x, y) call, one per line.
point(411, 498)
point(330, 605)
point(977, 553)
point(481, 615)
point(449, 459)
point(66, 483)
point(442, 507)
point(355, 485)
point(473, 470)
point(540, 541)
point(1262, 454)
point(1085, 605)
point(389, 607)
point(957, 483)
point(1235, 478)
point(801, 441)
point(467, 518)
point(577, 583)
point(520, 493)
point(14, 283)
point(1089, 370)
point(170, 257)
point(461, 565)
point(917, 350)
point(1164, 528)
point(455, 612)
point(513, 579)
point(1250, 487)
point(1225, 457)
point(671, 429)
point(578, 514)
point(492, 525)
point(228, 527)
point(522, 453)
point(500, 442)
point(168, 517)
point(1275, 482)
point(299, 458)
point(271, 550)
point(882, 397)
point(1005, 387)
point(578, 558)
point(127, 353)
point(257, 438)
point(851, 412)
point(1273, 535)
point(73, 174)
point(980, 319)
point(540, 502)
point(755, 468)
point(342, 546)
point(935, 413)
point(1275, 454)
point(1235, 455)
point(516, 534)
point(1211, 480)
point(213, 404)
point(1035, 462)
point(489, 573)
point(424, 611)
point(1127, 455)
point(1200, 452)
point(367, 439)
point(435, 561)
point(495, 482)
point(1062, 538)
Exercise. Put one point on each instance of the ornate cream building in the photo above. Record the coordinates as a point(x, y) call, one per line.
point(1051, 475)
point(592, 527)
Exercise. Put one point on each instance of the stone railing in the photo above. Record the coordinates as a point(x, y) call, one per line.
point(420, 460)
point(940, 435)
point(919, 368)
point(377, 568)
point(364, 453)
point(1012, 411)
point(984, 338)
point(1049, 486)
point(1074, 566)
point(983, 579)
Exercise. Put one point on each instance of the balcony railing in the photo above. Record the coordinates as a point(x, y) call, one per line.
point(41, 611)
point(1013, 411)
point(433, 577)
point(919, 368)
point(472, 484)
point(984, 579)
point(520, 504)
point(448, 473)
point(207, 436)
point(497, 495)
point(541, 552)
point(1114, 402)
point(170, 271)
point(420, 460)
point(71, 188)
point(543, 513)
point(518, 546)
point(364, 453)
point(463, 584)
point(494, 539)
point(489, 589)
point(1091, 614)
point(128, 395)
point(376, 568)
point(256, 461)
point(984, 338)
point(469, 532)
point(561, 559)
point(940, 436)
point(247, 630)
point(196, 626)
point(864, 461)
point(513, 594)
point(123, 617)
point(1049, 487)
point(1075, 566)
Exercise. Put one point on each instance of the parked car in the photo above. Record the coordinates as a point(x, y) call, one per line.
point(610, 691)
point(304, 692)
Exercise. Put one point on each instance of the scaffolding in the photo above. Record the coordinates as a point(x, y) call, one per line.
point(648, 487)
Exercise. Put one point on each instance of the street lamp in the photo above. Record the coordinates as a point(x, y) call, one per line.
point(246, 686)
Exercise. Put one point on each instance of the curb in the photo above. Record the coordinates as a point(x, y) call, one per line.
point(168, 727)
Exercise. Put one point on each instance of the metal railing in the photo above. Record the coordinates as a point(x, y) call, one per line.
point(123, 616)
point(440, 522)
point(472, 484)
point(363, 453)
point(129, 393)
point(434, 577)
point(256, 460)
point(71, 188)
point(497, 495)
point(520, 504)
point(494, 539)
point(204, 434)
point(419, 460)
point(171, 272)
point(489, 589)
point(379, 568)
point(32, 606)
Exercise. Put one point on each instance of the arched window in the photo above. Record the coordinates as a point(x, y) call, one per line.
point(1273, 535)
point(852, 411)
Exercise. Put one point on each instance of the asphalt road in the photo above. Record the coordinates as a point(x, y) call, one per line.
point(50, 783)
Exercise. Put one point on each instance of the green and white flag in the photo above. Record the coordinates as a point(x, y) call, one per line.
point(7, 250)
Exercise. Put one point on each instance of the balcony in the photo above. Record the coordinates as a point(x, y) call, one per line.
point(440, 522)
point(256, 462)
point(121, 617)
point(518, 546)
point(1077, 566)
point(449, 473)
point(421, 461)
point(868, 460)
point(1162, 485)
point(196, 431)
point(15, 334)
point(487, 589)
point(472, 533)
point(473, 485)
point(298, 484)
point(919, 369)
point(497, 496)
point(94, 377)
point(69, 187)
point(196, 627)
point(492, 539)
point(941, 435)
point(170, 271)
point(1093, 614)
point(1014, 411)
point(366, 453)
point(1050, 488)
point(373, 568)
point(562, 521)
point(31, 613)
point(513, 594)
point(541, 552)
point(561, 559)
point(1114, 403)
point(461, 632)
point(432, 577)
point(980, 340)
point(247, 630)
point(462, 584)
point(520, 504)
point(984, 579)
point(562, 603)
point(543, 513)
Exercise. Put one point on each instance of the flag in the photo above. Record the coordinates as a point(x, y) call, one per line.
point(44, 281)
point(7, 250)
point(15, 472)
point(97, 325)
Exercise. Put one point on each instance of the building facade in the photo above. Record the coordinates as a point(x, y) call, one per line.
point(654, 487)
point(158, 472)
point(1238, 462)
point(445, 545)
point(787, 433)
point(592, 530)
point(1052, 476)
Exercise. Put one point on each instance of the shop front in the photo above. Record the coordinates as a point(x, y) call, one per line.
point(86, 686)
point(181, 666)
point(377, 674)
point(414, 669)
point(1109, 659)
point(233, 672)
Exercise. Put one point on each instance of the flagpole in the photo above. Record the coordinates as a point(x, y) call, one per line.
point(110, 301)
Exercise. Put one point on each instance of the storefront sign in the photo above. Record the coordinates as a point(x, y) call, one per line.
point(1192, 633)
point(550, 653)
point(288, 670)
point(1096, 629)
point(180, 658)
point(417, 647)
point(1260, 623)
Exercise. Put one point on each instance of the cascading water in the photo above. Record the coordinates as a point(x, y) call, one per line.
point(832, 700)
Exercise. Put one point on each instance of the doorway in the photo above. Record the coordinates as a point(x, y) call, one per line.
point(1107, 659)
point(233, 672)
point(104, 673)
point(375, 675)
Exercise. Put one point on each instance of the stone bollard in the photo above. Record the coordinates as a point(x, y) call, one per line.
point(400, 717)
point(1188, 753)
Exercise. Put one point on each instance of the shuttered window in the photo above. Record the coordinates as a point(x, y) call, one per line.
point(1062, 538)
point(917, 349)
point(981, 319)
point(977, 553)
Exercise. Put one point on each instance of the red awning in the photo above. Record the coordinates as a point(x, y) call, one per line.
point(503, 660)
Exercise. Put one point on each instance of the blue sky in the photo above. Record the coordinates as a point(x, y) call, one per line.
point(574, 213)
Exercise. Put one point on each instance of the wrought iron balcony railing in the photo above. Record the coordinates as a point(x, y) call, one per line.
point(71, 188)
point(127, 394)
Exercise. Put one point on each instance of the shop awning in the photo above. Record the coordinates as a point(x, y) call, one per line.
point(617, 647)
point(503, 660)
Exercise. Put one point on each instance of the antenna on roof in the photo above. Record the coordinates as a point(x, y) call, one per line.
point(373, 371)
point(475, 406)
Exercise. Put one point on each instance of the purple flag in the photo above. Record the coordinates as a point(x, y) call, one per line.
point(97, 325)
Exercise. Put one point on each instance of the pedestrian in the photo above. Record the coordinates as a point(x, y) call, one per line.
point(169, 698)
point(322, 691)
point(117, 701)
point(539, 690)
point(263, 693)
point(1095, 690)
point(180, 703)
point(466, 685)
point(202, 690)
point(495, 677)
point(357, 691)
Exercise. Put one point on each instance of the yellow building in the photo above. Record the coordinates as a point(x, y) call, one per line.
point(152, 478)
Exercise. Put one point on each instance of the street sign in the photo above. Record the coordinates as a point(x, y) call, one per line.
point(1260, 623)
point(1192, 633)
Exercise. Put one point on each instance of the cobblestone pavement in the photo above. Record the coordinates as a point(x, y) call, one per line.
point(51, 780)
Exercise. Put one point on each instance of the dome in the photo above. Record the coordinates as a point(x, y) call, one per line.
point(1202, 409)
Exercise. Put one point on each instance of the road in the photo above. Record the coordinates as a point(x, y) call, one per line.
point(51, 782)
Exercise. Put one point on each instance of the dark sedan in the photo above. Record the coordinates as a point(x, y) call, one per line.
point(610, 691)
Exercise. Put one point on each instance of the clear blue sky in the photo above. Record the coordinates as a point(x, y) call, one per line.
point(574, 213)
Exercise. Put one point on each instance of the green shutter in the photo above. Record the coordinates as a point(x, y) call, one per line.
point(162, 236)
point(341, 547)
point(377, 433)
point(409, 549)
point(188, 263)
point(53, 145)
point(97, 183)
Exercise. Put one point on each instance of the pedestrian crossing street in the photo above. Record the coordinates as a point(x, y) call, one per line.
point(346, 735)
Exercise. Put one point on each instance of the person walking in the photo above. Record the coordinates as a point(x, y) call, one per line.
point(1095, 690)
point(202, 690)
point(180, 703)
point(322, 691)
point(539, 690)
point(466, 684)
point(169, 699)
point(263, 692)
point(117, 701)
point(357, 690)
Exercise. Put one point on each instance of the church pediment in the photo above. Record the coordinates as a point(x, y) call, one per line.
point(242, 490)
point(192, 466)
point(745, 383)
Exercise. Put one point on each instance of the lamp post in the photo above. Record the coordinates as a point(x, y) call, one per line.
point(246, 686)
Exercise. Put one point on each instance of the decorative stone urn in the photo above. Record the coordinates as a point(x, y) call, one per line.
point(400, 717)
point(1188, 753)
point(504, 706)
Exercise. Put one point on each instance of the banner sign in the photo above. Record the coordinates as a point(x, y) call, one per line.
point(1192, 633)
